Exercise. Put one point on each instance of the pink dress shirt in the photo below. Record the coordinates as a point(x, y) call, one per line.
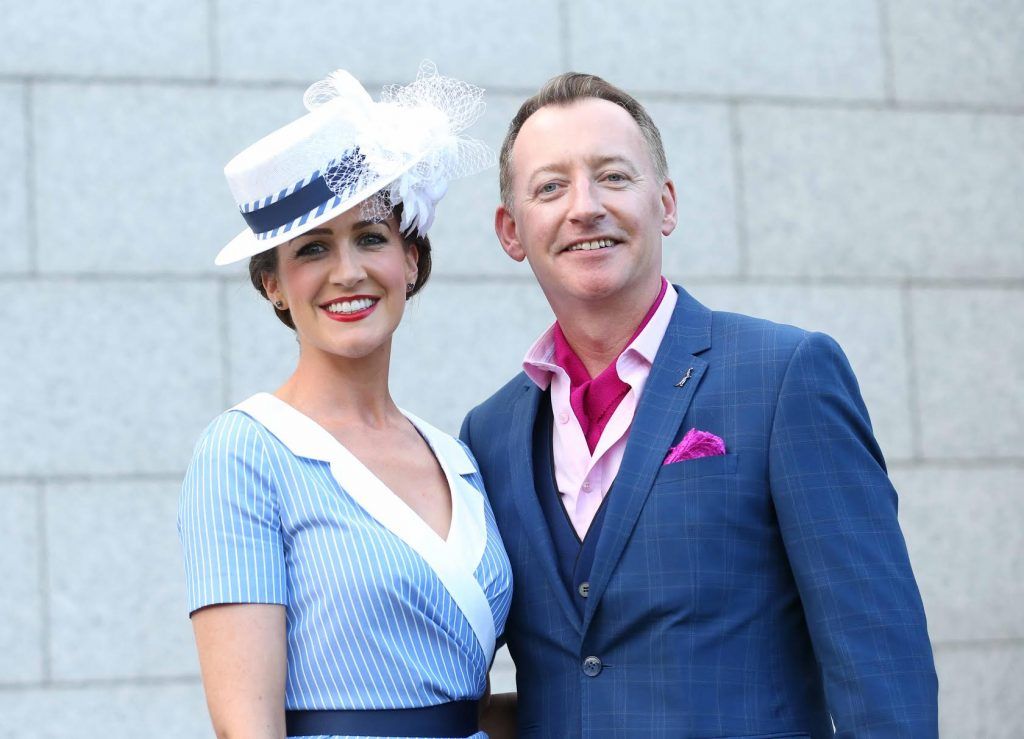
point(584, 477)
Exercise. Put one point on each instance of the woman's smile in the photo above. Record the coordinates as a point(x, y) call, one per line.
point(351, 308)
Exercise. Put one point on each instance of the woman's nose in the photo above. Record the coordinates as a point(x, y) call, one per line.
point(347, 269)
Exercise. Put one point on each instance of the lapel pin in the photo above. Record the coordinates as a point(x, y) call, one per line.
point(687, 376)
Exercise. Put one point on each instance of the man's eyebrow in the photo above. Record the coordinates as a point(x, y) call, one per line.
point(553, 168)
point(601, 161)
point(597, 161)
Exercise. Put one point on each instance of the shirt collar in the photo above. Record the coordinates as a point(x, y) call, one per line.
point(539, 362)
point(648, 341)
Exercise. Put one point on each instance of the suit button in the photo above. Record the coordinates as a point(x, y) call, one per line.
point(584, 589)
point(592, 667)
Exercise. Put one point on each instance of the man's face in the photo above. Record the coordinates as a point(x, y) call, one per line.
point(589, 210)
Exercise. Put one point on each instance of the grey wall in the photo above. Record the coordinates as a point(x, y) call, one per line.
point(855, 167)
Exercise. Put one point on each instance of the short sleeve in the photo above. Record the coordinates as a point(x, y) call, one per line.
point(228, 518)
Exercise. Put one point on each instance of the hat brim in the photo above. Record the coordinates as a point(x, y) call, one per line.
point(246, 244)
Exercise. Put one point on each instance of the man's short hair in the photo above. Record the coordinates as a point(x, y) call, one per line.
point(565, 89)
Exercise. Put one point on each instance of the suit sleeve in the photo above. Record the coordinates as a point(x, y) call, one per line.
point(837, 514)
point(465, 436)
point(464, 433)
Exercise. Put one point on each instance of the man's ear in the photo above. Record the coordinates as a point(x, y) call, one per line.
point(505, 228)
point(671, 211)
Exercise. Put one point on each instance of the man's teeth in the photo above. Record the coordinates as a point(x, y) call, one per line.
point(591, 245)
point(351, 306)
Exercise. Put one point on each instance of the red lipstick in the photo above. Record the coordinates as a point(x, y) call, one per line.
point(355, 315)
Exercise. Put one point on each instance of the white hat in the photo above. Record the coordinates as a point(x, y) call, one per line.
point(349, 150)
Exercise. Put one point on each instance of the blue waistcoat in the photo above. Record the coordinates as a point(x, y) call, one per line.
point(575, 557)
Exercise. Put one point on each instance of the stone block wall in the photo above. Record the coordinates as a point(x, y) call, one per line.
point(854, 167)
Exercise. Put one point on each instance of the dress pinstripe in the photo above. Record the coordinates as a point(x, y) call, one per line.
point(381, 612)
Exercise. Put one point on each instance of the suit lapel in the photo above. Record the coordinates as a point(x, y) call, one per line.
point(535, 527)
point(665, 400)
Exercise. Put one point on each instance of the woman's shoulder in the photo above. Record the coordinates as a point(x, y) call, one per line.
point(233, 433)
point(228, 466)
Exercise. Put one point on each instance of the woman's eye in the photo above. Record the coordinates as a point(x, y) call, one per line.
point(313, 248)
point(372, 239)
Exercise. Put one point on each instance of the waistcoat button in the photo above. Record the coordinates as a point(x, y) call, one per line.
point(584, 589)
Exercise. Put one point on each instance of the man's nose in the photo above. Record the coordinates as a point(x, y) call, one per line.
point(348, 269)
point(585, 205)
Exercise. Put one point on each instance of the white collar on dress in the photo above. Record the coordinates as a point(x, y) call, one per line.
point(306, 438)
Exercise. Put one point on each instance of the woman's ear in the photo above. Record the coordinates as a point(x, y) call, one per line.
point(412, 261)
point(272, 287)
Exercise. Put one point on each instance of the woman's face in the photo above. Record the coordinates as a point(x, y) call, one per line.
point(345, 284)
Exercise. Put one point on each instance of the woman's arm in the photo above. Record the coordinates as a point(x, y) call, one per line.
point(243, 657)
point(498, 713)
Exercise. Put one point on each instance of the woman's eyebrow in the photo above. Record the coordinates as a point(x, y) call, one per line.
point(313, 232)
point(368, 224)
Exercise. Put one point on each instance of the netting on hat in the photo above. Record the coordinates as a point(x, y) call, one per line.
point(408, 145)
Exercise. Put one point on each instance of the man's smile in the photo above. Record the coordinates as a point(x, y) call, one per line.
point(592, 245)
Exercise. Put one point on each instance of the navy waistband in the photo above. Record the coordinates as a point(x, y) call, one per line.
point(458, 719)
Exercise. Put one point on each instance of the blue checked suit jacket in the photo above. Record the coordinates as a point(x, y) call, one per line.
point(766, 593)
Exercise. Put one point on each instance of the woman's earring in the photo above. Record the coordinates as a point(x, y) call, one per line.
point(409, 287)
point(279, 304)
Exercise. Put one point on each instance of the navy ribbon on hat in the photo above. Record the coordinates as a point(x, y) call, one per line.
point(287, 209)
point(310, 196)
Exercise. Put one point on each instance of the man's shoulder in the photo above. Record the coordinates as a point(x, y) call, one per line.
point(740, 328)
point(749, 340)
point(738, 339)
point(732, 331)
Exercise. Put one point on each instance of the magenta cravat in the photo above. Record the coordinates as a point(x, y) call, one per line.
point(594, 400)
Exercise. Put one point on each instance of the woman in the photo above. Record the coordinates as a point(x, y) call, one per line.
point(344, 572)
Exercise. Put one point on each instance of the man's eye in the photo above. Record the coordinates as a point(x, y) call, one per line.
point(548, 187)
point(615, 177)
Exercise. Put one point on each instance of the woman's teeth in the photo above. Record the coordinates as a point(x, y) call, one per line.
point(351, 306)
point(591, 245)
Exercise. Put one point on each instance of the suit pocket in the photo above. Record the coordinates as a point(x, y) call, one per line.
point(723, 464)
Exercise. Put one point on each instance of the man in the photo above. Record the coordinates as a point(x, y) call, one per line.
point(703, 537)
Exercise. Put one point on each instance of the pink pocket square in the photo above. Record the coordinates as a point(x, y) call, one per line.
point(695, 444)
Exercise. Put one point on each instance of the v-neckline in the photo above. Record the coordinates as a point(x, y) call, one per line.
point(382, 488)
point(454, 560)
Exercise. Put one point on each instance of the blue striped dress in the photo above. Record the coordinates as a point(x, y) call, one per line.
point(381, 612)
